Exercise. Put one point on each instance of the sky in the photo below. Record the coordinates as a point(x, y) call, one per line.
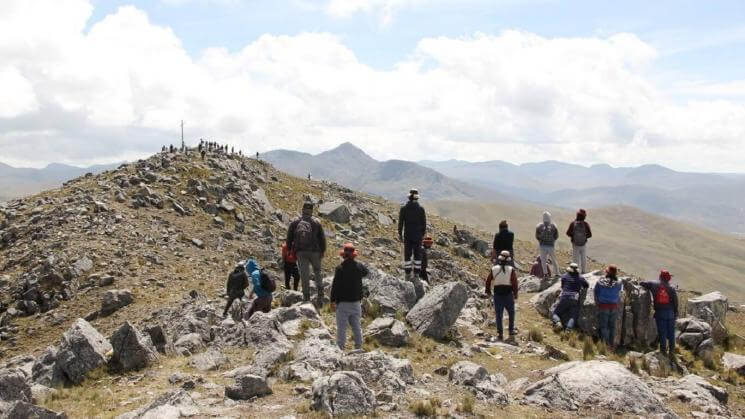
point(623, 83)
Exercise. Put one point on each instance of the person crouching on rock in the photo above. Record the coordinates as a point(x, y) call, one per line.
point(607, 297)
point(566, 312)
point(426, 245)
point(263, 300)
point(665, 310)
point(236, 285)
point(504, 280)
point(346, 296)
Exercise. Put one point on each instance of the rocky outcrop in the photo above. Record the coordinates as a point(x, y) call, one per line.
point(174, 404)
point(388, 331)
point(711, 308)
point(343, 393)
point(437, 312)
point(210, 360)
point(603, 384)
point(694, 334)
point(390, 294)
point(82, 349)
point(13, 386)
point(475, 377)
point(113, 300)
point(335, 211)
point(734, 362)
point(378, 368)
point(22, 409)
point(248, 386)
point(700, 394)
point(132, 349)
point(533, 284)
point(313, 358)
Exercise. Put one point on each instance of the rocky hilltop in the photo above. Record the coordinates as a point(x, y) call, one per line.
point(113, 286)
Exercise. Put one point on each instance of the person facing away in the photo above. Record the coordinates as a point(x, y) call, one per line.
point(607, 294)
point(537, 268)
point(503, 279)
point(263, 300)
point(346, 296)
point(306, 237)
point(547, 233)
point(289, 262)
point(567, 311)
point(503, 240)
point(235, 286)
point(412, 227)
point(579, 232)
point(665, 299)
point(427, 243)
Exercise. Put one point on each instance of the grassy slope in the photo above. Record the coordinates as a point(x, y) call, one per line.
point(637, 241)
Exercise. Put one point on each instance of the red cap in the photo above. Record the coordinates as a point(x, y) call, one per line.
point(611, 270)
point(348, 251)
point(665, 275)
point(427, 242)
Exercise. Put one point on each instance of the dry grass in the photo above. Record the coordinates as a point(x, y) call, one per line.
point(466, 404)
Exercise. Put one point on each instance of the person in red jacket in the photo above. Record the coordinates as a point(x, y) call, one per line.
point(289, 260)
point(503, 279)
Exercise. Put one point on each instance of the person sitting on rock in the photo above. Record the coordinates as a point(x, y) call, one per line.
point(665, 310)
point(537, 268)
point(289, 262)
point(607, 294)
point(503, 240)
point(427, 243)
point(236, 286)
point(263, 300)
point(504, 280)
point(566, 312)
point(346, 296)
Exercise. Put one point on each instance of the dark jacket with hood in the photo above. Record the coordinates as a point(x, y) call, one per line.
point(412, 221)
point(347, 284)
point(319, 237)
point(504, 240)
point(580, 219)
point(571, 285)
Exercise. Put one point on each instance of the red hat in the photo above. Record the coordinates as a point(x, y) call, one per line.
point(665, 275)
point(427, 242)
point(611, 270)
point(348, 251)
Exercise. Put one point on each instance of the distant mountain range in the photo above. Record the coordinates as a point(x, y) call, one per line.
point(16, 182)
point(716, 201)
point(392, 179)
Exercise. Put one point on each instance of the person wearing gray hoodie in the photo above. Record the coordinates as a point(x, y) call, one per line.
point(547, 233)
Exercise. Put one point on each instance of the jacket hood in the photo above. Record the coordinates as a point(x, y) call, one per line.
point(252, 265)
point(547, 217)
point(607, 281)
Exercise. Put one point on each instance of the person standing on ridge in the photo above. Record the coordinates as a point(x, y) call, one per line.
point(306, 237)
point(547, 233)
point(665, 300)
point(504, 281)
point(412, 226)
point(607, 297)
point(503, 240)
point(346, 296)
point(579, 232)
point(566, 312)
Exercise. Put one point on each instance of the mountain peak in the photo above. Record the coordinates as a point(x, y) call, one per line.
point(347, 150)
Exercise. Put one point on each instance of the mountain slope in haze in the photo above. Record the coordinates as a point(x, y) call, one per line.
point(714, 201)
point(392, 179)
point(637, 241)
point(15, 182)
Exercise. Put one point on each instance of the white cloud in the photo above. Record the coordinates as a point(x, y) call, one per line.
point(120, 89)
point(383, 8)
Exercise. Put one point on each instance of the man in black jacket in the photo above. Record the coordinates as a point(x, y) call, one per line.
point(346, 296)
point(236, 286)
point(306, 237)
point(504, 240)
point(412, 226)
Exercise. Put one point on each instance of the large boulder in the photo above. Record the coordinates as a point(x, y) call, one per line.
point(711, 308)
point(82, 349)
point(603, 384)
point(734, 362)
point(380, 368)
point(265, 333)
point(132, 349)
point(173, 404)
point(46, 371)
point(13, 386)
point(335, 211)
point(391, 294)
point(248, 386)
point(533, 284)
point(113, 300)
point(388, 331)
point(437, 312)
point(343, 394)
point(698, 392)
point(313, 358)
point(22, 409)
point(210, 360)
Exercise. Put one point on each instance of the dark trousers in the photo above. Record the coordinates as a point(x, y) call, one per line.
point(291, 271)
point(412, 248)
point(232, 298)
point(502, 303)
point(263, 304)
point(666, 331)
point(567, 312)
point(423, 273)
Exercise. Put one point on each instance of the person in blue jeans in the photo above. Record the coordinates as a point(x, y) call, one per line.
point(607, 297)
point(665, 310)
point(502, 282)
point(566, 313)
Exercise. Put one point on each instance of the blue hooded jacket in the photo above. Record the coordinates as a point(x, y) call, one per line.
point(253, 269)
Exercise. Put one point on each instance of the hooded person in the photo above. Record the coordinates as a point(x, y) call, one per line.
point(412, 227)
point(607, 293)
point(503, 240)
point(306, 238)
point(502, 283)
point(263, 300)
point(547, 233)
point(236, 286)
point(566, 312)
point(347, 292)
point(665, 299)
point(579, 232)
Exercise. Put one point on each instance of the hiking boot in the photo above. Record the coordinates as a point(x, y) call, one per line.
point(500, 337)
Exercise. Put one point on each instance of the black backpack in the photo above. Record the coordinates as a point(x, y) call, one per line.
point(579, 234)
point(266, 282)
point(304, 235)
point(237, 282)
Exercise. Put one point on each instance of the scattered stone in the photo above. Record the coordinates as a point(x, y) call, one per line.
point(290, 297)
point(335, 211)
point(132, 349)
point(343, 393)
point(248, 386)
point(82, 349)
point(197, 242)
point(189, 344)
point(698, 392)
point(13, 386)
point(734, 362)
point(437, 312)
point(388, 331)
point(22, 409)
point(210, 360)
point(174, 404)
point(390, 294)
point(113, 300)
point(711, 308)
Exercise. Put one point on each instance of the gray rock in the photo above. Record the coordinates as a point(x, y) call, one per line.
point(343, 393)
point(313, 357)
point(188, 344)
point(384, 220)
point(388, 331)
point(174, 404)
point(533, 284)
point(82, 265)
point(289, 297)
point(132, 349)
point(390, 294)
point(248, 386)
point(13, 386)
point(198, 243)
point(734, 362)
point(335, 211)
point(113, 300)
point(210, 360)
point(479, 381)
point(711, 308)
point(45, 370)
point(437, 312)
point(105, 281)
point(39, 392)
point(698, 392)
point(380, 368)
point(22, 409)
point(82, 349)
point(159, 339)
point(657, 364)
point(467, 373)
point(603, 384)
